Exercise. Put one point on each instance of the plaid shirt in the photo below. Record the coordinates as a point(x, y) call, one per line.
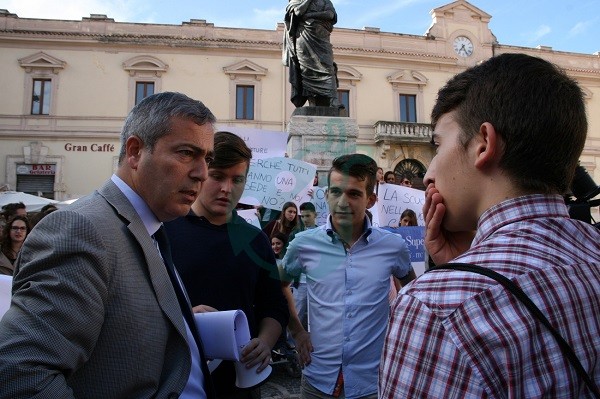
point(457, 334)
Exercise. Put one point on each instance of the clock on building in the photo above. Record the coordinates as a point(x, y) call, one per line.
point(463, 46)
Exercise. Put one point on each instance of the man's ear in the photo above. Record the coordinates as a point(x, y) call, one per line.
point(133, 151)
point(487, 146)
point(371, 200)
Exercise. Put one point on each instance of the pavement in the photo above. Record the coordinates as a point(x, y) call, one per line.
point(280, 384)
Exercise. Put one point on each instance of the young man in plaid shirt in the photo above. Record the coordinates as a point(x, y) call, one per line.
point(508, 134)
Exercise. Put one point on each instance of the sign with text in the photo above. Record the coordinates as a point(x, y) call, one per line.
point(250, 215)
point(36, 169)
point(263, 143)
point(320, 203)
point(271, 182)
point(414, 236)
point(393, 200)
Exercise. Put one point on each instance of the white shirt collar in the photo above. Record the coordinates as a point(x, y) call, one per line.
point(150, 221)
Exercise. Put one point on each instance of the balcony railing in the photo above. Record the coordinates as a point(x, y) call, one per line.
point(402, 132)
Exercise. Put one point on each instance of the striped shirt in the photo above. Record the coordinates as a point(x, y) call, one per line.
point(462, 335)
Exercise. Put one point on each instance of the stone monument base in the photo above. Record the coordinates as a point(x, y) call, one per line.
point(320, 111)
point(320, 139)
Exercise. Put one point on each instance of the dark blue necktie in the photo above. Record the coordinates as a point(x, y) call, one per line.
point(165, 250)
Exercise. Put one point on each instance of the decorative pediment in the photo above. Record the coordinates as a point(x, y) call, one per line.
point(245, 68)
point(461, 8)
point(346, 72)
point(42, 61)
point(145, 64)
point(460, 15)
point(406, 77)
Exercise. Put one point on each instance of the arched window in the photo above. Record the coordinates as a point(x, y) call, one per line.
point(412, 169)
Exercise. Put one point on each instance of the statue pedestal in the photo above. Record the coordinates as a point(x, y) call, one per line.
point(319, 111)
point(320, 139)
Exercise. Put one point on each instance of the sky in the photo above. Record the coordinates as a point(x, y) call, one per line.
point(564, 25)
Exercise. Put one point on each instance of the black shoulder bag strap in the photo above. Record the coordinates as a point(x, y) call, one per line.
point(535, 311)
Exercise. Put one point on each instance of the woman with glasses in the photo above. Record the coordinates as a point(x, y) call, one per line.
point(14, 234)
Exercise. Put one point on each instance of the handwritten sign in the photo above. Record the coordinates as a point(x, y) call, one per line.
point(271, 182)
point(250, 216)
point(393, 200)
point(414, 236)
point(319, 201)
point(263, 143)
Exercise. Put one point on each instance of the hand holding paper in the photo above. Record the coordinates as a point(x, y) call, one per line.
point(224, 336)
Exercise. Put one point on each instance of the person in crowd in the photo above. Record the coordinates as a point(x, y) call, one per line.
point(508, 134)
point(406, 181)
point(278, 243)
point(9, 211)
point(95, 312)
point(226, 263)
point(287, 222)
point(379, 176)
point(13, 236)
point(408, 218)
point(347, 263)
point(308, 215)
point(13, 209)
point(389, 177)
point(45, 211)
point(379, 179)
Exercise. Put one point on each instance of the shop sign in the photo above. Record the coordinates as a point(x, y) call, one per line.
point(95, 147)
point(36, 169)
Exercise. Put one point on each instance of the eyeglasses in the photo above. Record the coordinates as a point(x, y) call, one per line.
point(17, 228)
point(406, 182)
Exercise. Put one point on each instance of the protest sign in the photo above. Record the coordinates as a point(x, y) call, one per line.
point(263, 143)
point(250, 216)
point(271, 182)
point(320, 203)
point(393, 200)
point(414, 238)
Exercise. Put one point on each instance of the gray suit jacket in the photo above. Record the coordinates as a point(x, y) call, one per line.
point(94, 313)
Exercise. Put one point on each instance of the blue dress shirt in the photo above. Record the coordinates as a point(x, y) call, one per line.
point(348, 303)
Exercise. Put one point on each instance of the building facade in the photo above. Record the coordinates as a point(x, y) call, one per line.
point(68, 85)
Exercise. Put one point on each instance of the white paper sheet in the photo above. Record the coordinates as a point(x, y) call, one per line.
point(224, 334)
point(5, 293)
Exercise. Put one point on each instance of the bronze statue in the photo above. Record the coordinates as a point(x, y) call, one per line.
point(308, 52)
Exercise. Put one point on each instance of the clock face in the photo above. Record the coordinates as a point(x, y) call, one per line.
point(463, 46)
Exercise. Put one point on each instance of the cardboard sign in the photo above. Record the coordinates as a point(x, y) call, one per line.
point(271, 182)
point(263, 143)
point(393, 199)
point(250, 216)
point(414, 236)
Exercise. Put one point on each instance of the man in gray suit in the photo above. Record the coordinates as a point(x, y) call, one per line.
point(94, 313)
